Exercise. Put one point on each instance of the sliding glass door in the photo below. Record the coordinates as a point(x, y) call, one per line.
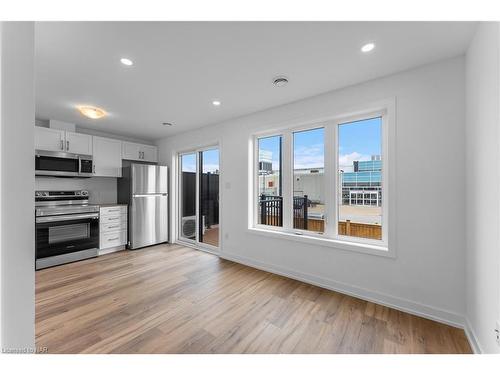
point(187, 203)
point(199, 197)
point(209, 197)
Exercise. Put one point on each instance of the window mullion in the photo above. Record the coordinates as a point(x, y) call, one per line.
point(287, 179)
point(330, 182)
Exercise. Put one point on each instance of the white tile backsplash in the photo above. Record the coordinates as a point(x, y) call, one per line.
point(102, 190)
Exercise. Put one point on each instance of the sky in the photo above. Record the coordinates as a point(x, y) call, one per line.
point(210, 161)
point(357, 141)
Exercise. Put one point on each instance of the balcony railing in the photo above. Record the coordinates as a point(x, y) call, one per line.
point(271, 213)
point(271, 210)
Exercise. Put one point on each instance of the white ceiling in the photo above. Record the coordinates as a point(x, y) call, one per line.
point(180, 67)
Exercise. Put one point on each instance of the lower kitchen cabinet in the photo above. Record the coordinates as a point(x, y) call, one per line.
point(112, 228)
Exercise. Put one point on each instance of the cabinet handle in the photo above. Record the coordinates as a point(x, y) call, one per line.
point(62, 144)
point(67, 145)
point(113, 218)
point(139, 154)
point(113, 239)
point(114, 226)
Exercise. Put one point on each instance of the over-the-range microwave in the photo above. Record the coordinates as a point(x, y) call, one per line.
point(54, 163)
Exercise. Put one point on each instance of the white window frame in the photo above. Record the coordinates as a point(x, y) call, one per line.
point(330, 237)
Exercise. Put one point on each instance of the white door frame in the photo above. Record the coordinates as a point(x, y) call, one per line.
point(176, 238)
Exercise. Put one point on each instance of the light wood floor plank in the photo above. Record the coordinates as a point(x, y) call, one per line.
point(173, 299)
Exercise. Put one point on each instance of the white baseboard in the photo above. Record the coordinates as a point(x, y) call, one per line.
point(471, 336)
point(425, 311)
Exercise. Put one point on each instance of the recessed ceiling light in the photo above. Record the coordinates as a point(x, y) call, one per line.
point(126, 61)
point(167, 124)
point(216, 103)
point(91, 112)
point(368, 47)
point(280, 81)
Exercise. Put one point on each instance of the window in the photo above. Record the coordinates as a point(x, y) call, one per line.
point(325, 181)
point(270, 198)
point(308, 180)
point(360, 182)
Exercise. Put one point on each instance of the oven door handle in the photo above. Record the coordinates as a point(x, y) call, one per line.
point(51, 219)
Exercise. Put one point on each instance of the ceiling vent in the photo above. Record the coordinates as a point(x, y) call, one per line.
point(280, 81)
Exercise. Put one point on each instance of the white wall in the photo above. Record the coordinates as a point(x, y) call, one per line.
point(17, 184)
point(102, 190)
point(482, 185)
point(427, 275)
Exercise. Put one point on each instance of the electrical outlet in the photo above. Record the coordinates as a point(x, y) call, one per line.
point(497, 332)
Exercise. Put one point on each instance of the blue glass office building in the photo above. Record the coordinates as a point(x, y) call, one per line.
point(363, 186)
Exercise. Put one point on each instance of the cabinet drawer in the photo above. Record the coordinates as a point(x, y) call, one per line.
point(113, 239)
point(112, 219)
point(113, 227)
point(113, 210)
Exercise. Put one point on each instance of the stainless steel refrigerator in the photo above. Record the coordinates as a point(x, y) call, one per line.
point(144, 188)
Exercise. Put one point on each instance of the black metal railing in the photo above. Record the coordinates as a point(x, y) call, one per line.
point(300, 216)
point(271, 211)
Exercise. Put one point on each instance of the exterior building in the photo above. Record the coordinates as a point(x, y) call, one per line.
point(363, 186)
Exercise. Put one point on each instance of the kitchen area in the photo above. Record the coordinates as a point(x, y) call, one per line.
point(95, 194)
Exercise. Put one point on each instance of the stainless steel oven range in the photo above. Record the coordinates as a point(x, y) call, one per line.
point(67, 227)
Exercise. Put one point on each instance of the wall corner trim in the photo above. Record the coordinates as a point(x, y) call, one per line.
point(472, 338)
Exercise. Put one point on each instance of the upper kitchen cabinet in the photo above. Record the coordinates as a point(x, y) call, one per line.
point(139, 152)
point(107, 157)
point(77, 143)
point(48, 139)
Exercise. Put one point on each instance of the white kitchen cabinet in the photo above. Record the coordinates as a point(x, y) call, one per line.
point(107, 157)
point(139, 152)
point(47, 139)
point(112, 228)
point(150, 153)
point(78, 143)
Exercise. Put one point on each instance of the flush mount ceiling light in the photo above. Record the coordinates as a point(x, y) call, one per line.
point(91, 112)
point(126, 61)
point(216, 103)
point(280, 81)
point(167, 124)
point(368, 47)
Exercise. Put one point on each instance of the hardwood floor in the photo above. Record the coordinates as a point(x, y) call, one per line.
point(173, 299)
